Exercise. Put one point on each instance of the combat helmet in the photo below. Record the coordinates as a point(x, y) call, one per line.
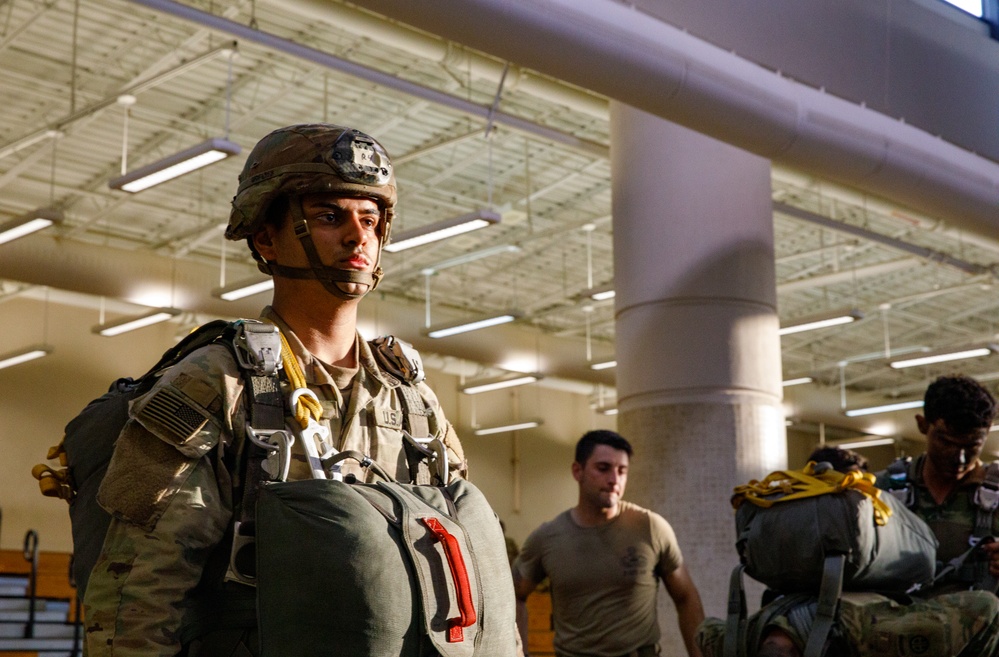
point(308, 159)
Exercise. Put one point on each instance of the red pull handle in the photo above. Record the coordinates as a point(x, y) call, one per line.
point(459, 574)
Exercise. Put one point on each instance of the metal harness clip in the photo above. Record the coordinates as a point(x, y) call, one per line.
point(258, 347)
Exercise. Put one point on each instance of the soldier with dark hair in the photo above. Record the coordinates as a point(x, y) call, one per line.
point(604, 559)
point(948, 486)
point(315, 204)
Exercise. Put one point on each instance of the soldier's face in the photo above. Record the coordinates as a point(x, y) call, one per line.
point(953, 454)
point(603, 477)
point(346, 232)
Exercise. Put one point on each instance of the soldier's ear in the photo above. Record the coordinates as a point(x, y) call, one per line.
point(263, 242)
point(922, 424)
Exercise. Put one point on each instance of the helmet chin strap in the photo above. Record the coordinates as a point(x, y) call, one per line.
point(328, 276)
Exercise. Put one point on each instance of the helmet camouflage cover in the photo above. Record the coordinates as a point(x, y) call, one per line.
point(308, 159)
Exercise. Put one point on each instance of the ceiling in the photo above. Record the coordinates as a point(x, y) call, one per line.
point(466, 132)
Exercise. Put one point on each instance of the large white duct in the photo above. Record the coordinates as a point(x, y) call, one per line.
point(616, 50)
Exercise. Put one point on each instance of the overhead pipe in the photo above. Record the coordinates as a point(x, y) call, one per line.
point(460, 60)
point(333, 62)
point(616, 50)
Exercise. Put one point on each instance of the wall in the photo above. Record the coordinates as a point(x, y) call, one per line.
point(37, 399)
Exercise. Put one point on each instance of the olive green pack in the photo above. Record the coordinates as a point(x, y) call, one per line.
point(404, 570)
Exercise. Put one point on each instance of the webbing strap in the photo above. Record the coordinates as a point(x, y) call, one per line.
point(417, 423)
point(734, 644)
point(825, 614)
point(263, 397)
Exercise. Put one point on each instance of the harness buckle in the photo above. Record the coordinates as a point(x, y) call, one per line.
point(258, 347)
point(277, 443)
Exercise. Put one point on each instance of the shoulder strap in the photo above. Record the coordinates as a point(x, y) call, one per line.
point(399, 359)
point(825, 614)
point(734, 643)
point(256, 346)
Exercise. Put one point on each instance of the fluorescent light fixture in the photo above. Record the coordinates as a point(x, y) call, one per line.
point(801, 380)
point(440, 230)
point(606, 410)
point(186, 161)
point(24, 355)
point(821, 321)
point(126, 324)
point(605, 365)
point(943, 356)
point(884, 408)
point(515, 426)
point(866, 442)
point(472, 324)
point(28, 223)
point(498, 383)
point(601, 293)
point(244, 288)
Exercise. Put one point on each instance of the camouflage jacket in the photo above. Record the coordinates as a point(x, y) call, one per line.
point(953, 521)
point(872, 625)
point(171, 493)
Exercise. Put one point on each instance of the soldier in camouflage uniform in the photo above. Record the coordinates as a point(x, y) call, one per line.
point(315, 204)
point(948, 486)
point(964, 624)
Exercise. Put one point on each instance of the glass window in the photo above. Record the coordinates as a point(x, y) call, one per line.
point(973, 7)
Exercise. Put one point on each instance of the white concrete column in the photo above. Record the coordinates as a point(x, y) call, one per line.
point(698, 352)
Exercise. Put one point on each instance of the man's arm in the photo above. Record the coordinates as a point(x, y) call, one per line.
point(681, 589)
point(522, 587)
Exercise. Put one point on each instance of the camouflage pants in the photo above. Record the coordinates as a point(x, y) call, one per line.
point(964, 624)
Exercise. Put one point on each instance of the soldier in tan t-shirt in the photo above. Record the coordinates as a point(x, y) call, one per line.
point(604, 559)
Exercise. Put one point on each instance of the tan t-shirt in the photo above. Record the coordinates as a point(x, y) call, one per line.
point(604, 580)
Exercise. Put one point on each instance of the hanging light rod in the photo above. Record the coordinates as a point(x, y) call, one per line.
point(243, 288)
point(884, 408)
point(499, 382)
point(801, 380)
point(605, 365)
point(823, 320)
point(472, 324)
point(944, 355)
point(515, 426)
point(133, 322)
point(440, 230)
point(30, 222)
point(170, 167)
point(24, 355)
point(606, 410)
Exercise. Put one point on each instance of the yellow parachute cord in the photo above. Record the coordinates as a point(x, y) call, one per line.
point(788, 485)
point(306, 407)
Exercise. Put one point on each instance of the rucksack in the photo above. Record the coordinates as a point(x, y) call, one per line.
point(409, 569)
point(820, 532)
point(788, 523)
point(88, 443)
